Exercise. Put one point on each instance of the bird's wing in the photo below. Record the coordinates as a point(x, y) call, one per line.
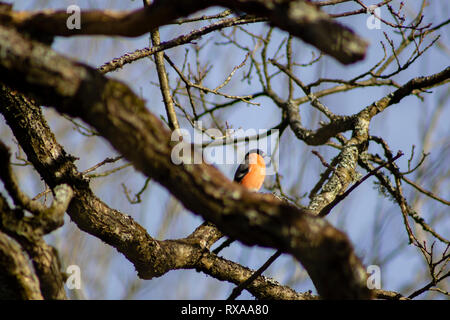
point(241, 171)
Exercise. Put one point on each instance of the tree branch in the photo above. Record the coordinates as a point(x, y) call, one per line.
point(150, 257)
point(17, 280)
point(115, 111)
point(298, 17)
point(164, 82)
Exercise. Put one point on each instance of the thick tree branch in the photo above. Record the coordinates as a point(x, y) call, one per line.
point(261, 287)
point(419, 83)
point(298, 17)
point(29, 231)
point(151, 258)
point(347, 159)
point(46, 219)
point(44, 257)
point(388, 295)
point(121, 117)
point(342, 196)
point(17, 280)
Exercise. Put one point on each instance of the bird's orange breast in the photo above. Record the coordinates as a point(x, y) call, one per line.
point(254, 179)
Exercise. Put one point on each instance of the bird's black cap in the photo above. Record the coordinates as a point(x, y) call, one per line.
point(258, 151)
